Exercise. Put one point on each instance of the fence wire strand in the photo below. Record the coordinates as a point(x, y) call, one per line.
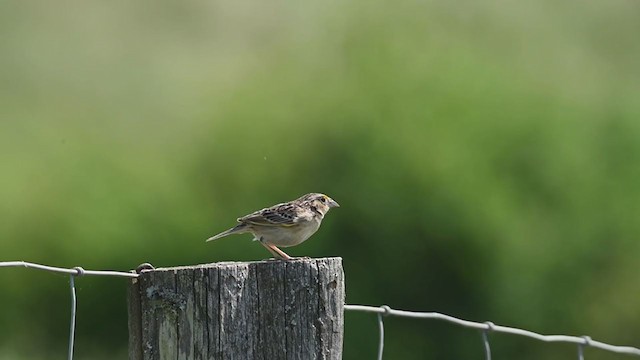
point(582, 342)
point(485, 340)
point(73, 273)
point(381, 311)
point(72, 327)
point(381, 341)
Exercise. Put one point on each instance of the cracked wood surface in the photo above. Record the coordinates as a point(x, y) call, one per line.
point(238, 310)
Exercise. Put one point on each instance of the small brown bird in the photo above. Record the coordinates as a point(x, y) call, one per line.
point(286, 224)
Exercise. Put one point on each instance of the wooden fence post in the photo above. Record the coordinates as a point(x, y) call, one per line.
point(238, 310)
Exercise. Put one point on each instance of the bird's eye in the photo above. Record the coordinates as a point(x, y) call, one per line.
point(323, 200)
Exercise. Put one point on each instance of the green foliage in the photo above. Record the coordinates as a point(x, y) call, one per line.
point(484, 154)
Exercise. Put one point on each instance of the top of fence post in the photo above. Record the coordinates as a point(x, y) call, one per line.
point(265, 309)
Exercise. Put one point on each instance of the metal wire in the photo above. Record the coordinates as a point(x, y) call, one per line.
point(381, 342)
point(72, 330)
point(73, 272)
point(381, 311)
point(587, 342)
point(385, 312)
point(485, 340)
point(583, 341)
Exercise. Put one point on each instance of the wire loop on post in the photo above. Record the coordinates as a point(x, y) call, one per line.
point(144, 266)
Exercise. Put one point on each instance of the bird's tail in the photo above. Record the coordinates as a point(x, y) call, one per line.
point(238, 229)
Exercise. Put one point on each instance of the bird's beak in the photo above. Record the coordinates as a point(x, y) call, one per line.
point(333, 203)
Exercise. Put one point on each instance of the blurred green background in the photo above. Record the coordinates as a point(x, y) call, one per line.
point(485, 154)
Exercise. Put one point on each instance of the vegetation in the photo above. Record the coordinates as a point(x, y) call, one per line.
point(484, 155)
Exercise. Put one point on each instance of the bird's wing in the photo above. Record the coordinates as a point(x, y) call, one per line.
point(285, 214)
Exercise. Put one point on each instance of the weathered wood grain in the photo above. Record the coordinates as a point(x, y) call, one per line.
point(271, 336)
point(330, 320)
point(255, 310)
point(200, 319)
point(213, 312)
point(186, 313)
point(300, 300)
point(135, 325)
point(238, 312)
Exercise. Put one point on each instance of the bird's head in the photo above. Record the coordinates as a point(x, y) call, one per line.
point(320, 201)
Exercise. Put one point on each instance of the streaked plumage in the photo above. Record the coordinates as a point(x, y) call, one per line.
point(286, 224)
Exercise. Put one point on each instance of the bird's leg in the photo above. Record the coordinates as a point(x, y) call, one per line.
point(282, 254)
point(275, 254)
point(275, 251)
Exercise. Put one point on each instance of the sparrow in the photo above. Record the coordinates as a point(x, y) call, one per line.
point(286, 224)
